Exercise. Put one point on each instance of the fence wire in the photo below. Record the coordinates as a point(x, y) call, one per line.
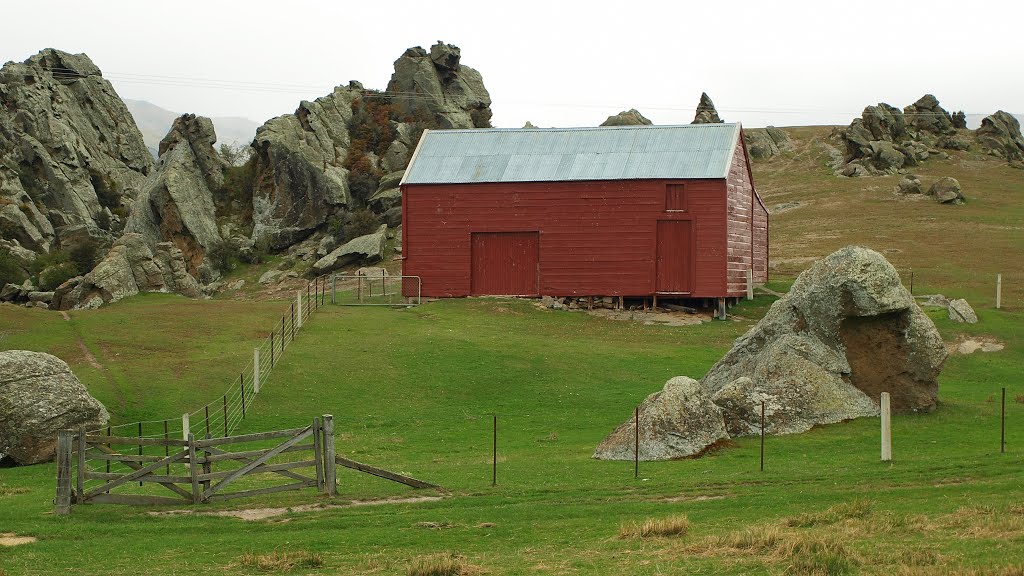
point(221, 416)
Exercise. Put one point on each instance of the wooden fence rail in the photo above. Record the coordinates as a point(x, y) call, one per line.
point(304, 458)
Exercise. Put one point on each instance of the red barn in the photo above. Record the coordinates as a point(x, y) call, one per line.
point(633, 211)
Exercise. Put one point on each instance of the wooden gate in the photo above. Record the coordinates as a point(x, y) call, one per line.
point(505, 263)
point(196, 471)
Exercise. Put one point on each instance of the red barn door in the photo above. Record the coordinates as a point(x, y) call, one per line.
point(505, 263)
point(675, 261)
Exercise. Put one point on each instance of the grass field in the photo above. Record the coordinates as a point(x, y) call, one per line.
point(415, 391)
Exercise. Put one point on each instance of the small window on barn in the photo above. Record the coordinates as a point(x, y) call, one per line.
point(675, 197)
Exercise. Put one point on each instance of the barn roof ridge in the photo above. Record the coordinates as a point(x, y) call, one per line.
point(720, 125)
point(463, 156)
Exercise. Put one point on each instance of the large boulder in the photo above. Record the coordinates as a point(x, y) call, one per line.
point(706, 112)
point(367, 249)
point(847, 331)
point(177, 203)
point(678, 422)
point(946, 190)
point(70, 152)
point(631, 117)
point(960, 311)
point(130, 267)
point(909, 184)
point(39, 396)
point(436, 87)
point(999, 135)
point(764, 143)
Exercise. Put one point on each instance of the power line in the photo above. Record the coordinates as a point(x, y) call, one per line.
point(284, 88)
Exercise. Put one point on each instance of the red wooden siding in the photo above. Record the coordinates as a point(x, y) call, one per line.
point(742, 203)
point(596, 238)
point(505, 263)
point(675, 257)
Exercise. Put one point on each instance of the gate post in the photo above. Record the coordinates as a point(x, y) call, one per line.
point(196, 495)
point(62, 504)
point(330, 466)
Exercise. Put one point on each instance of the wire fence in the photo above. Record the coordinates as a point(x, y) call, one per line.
point(221, 416)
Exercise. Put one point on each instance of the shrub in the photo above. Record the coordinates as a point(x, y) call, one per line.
point(361, 223)
point(234, 156)
point(84, 256)
point(239, 181)
point(54, 275)
point(223, 256)
point(10, 270)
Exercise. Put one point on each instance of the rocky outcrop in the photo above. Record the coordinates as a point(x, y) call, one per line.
point(299, 158)
point(129, 268)
point(999, 135)
point(706, 112)
point(177, 202)
point(388, 194)
point(336, 154)
point(885, 139)
point(847, 331)
point(678, 422)
point(436, 86)
point(70, 153)
point(631, 117)
point(39, 396)
point(763, 143)
point(367, 249)
point(926, 115)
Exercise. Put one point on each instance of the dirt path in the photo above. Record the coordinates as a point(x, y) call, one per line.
point(252, 514)
point(12, 539)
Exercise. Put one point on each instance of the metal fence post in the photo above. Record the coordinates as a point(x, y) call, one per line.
point(298, 308)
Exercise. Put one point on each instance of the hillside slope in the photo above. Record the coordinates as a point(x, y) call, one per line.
point(955, 250)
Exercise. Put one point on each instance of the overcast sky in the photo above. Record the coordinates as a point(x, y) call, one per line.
point(552, 63)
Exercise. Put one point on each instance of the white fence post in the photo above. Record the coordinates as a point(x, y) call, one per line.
point(999, 290)
point(184, 427)
point(298, 309)
point(750, 284)
point(886, 429)
point(256, 369)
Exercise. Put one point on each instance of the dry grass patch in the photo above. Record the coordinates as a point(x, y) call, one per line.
point(656, 528)
point(951, 571)
point(803, 554)
point(277, 561)
point(1019, 398)
point(442, 564)
point(843, 511)
point(6, 490)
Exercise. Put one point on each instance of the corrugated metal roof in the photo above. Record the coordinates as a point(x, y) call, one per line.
point(563, 154)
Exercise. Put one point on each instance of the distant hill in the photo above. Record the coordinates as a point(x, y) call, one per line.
point(154, 122)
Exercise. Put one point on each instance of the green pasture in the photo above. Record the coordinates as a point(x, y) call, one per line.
point(415, 391)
